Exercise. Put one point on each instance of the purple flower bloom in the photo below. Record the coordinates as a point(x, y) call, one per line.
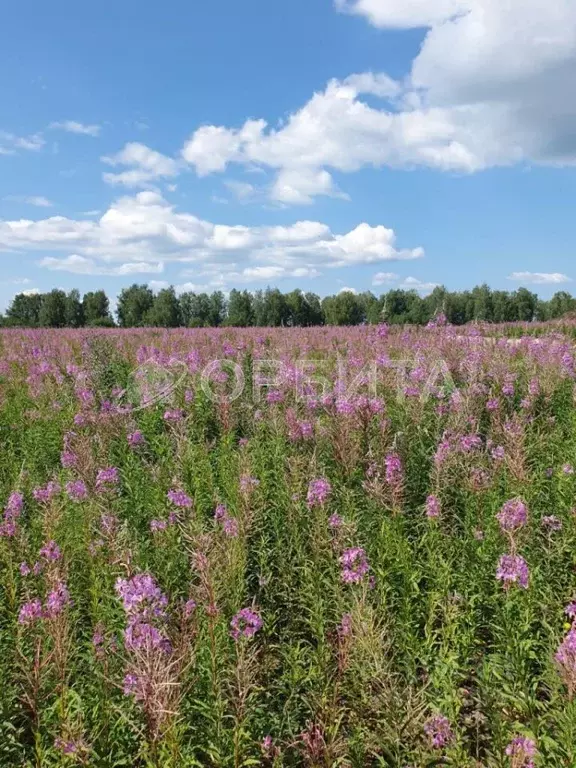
point(513, 569)
point(133, 687)
point(439, 732)
point(174, 415)
point(68, 459)
point(141, 596)
point(568, 469)
point(335, 521)
point(179, 499)
point(14, 506)
point(493, 404)
point(498, 453)
point(107, 478)
point(135, 439)
point(76, 490)
point(345, 628)
point(25, 569)
point(189, 608)
point(230, 527)
point(141, 635)
point(248, 483)
point(245, 624)
point(56, 601)
point(158, 525)
point(566, 660)
point(51, 551)
point(512, 516)
point(46, 493)
point(432, 506)
point(30, 612)
point(394, 471)
point(354, 565)
point(470, 443)
point(318, 491)
point(522, 750)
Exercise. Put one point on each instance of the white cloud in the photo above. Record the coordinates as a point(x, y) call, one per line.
point(348, 290)
point(38, 200)
point(404, 14)
point(73, 126)
point(413, 284)
point(141, 233)
point(540, 278)
point(241, 190)
point(381, 278)
point(31, 292)
point(10, 143)
point(147, 165)
point(80, 265)
point(487, 88)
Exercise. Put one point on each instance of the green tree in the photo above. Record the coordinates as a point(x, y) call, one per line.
point(24, 310)
point(165, 311)
point(53, 309)
point(96, 308)
point(134, 304)
point(74, 311)
point(240, 309)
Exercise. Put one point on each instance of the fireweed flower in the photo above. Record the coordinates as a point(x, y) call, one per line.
point(174, 415)
point(568, 469)
point(354, 565)
point(512, 516)
point(335, 521)
point(179, 499)
point(30, 612)
point(56, 601)
point(394, 471)
point(248, 483)
point(141, 596)
point(14, 506)
point(439, 732)
point(230, 527)
point(345, 627)
point(24, 569)
point(76, 490)
point(432, 507)
point(135, 439)
point(47, 492)
point(51, 551)
point(522, 750)
point(140, 635)
point(513, 569)
point(107, 478)
point(68, 459)
point(565, 659)
point(245, 624)
point(318, 492)
point(158, 525)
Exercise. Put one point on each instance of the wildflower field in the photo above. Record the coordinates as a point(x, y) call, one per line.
point(288, 547)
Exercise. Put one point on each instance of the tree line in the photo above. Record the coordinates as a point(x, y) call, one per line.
point(139, 306)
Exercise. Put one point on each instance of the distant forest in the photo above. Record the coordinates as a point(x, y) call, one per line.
point(139, 306)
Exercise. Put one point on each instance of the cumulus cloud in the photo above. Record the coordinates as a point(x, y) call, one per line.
point(414, 284)
point(382, 278)
point(487, 88)
point(80, 265)
point(140, 233)
point(73, 126)
point(540, 278)
point(144, 165)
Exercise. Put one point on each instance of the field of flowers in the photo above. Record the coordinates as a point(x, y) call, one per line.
point(288, 547)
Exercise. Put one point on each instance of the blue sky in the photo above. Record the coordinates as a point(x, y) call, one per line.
point(326, 144)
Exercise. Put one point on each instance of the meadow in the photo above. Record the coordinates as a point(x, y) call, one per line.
point(288, 547)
